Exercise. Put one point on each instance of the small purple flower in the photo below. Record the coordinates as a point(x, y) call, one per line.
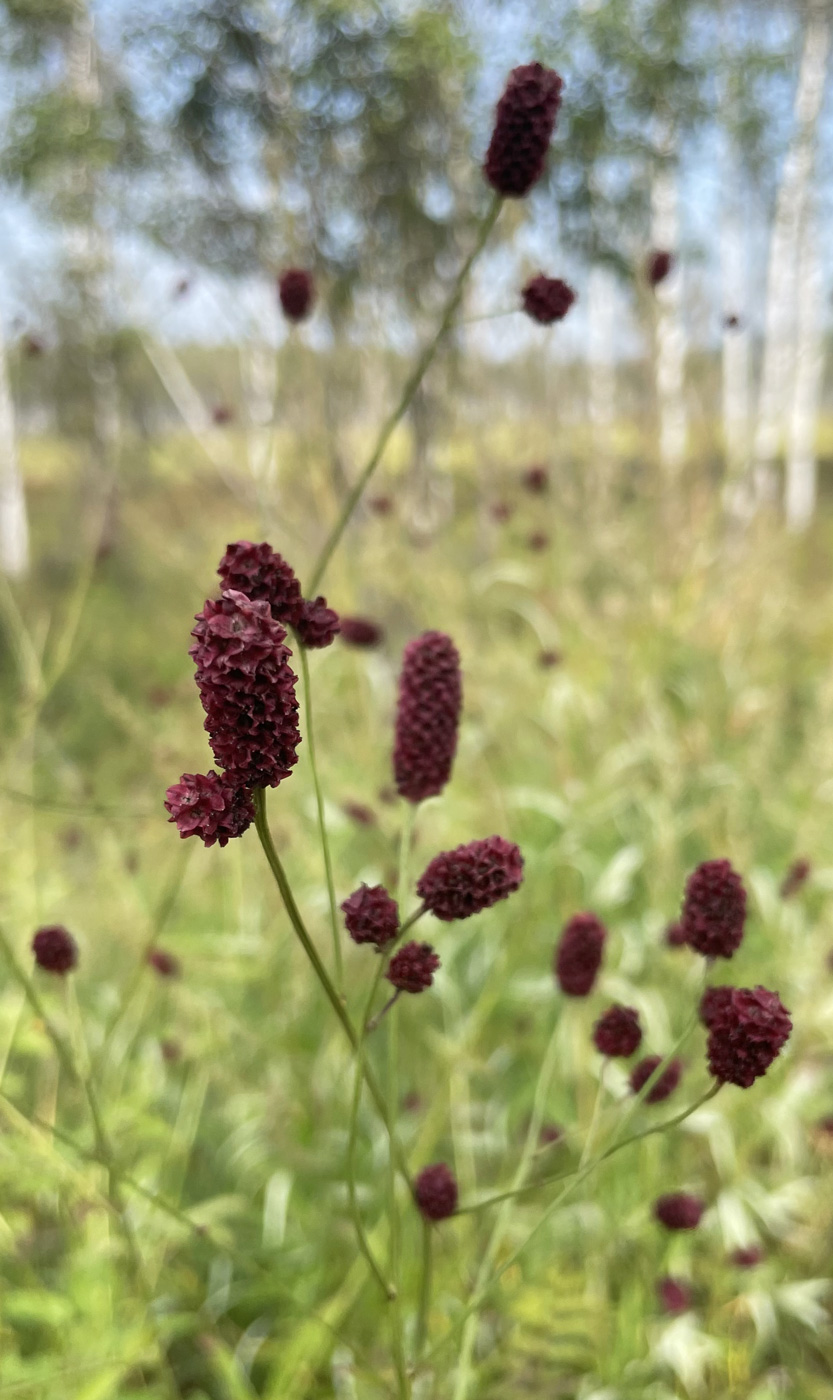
point(371, 916)
point(435, 1192)
point(412, 968)
point(55, 950)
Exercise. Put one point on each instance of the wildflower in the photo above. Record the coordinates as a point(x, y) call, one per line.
point(797, 876)
point(171, 1051)
point(297, 293)
point(550, 1134)
point(747, 1258)
point(538, 541)
point(674, 1295)
point(675, 935)
point(549, 658)
point(459, 883)
point(435, 1191)
point(732, 322)
point(658, 266)
point(547, 299)
point(711, 1002)
point(747, 1031)
point(714, 909)
point(536, 480)
point(55, 949)
point(412, 968)
point(360, 632)
point(524, 123)
point(317, 625)
point(578, 956)
point(679, 1211)
point(427, 716)
point(359, 813)
point(208, 806)
point(263, 575)
point(380, 505)
point(247, 690)
point(221, 414)
point(618, 1032)
point(662, 1087)
point(371, 916)
point(164, 963)
point(500, 511)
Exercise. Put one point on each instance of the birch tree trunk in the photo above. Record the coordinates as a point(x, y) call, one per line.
point(601, 365)
point(800, 483)
point(14, 525)
point(777, 371)
point(670, 328)
point(737, 406)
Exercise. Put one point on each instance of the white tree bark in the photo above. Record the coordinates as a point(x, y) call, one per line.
point(800, 483)
point(601, 362)
point(670, 327)
point(734, 254)
point(14, 525)
point(777, 372)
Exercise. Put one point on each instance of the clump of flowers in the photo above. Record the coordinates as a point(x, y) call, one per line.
point(664, 1085)
point(435, 1192)
point(371, 915)
point(714, 909)
point(524, 123)
point(55, 950)
point(747, 1031)
point(427, 716)
point(412, 968)
point(547, 299)
point(264, 576)
point(679, 1211)
point(247, 690)
point(578, 956)
point(459, 883)
point(618, 1033)
point(208, 806)
point(658, 266)
point(296, 290)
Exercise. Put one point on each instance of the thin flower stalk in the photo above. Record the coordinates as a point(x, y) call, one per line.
point(322, 822)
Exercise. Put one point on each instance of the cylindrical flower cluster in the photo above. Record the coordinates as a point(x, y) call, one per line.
point(748, 1028)
point(547, 299)
point(427, 716)
point(524, 123)
point(578, 956)
point(435, 1191)
point(247, 690)
point(412, 968)
point(371, 916)
point(459, 883)
point(714, 909)
point(208, 806)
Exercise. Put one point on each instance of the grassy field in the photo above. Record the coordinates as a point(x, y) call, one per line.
point(688, 718)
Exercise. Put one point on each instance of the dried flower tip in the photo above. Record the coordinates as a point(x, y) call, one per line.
point(297, 293)
point(317, 625)
point(427, 716)
point(578, 956)
point(658, 266)
point(459, 883)
point(547, 299)
point(412, 968)
point(435, 1192)
point(264, 576)
point(55, 949)
point(714, 909)
point(618, 1033)
point(371, 916)
point(524, 123)
point(360, 632)
point(208, 806)
point(662, 1087)
point(747, 1031)
point(674, 1295)
point(679, 1211)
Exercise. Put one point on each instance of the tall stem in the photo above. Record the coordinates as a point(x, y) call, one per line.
point(322, 823)
point(387, 1288)
point(392, 1086)
point(409, 388)
point(424, 1289)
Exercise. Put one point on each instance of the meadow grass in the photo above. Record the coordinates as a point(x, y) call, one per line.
point(688, 718)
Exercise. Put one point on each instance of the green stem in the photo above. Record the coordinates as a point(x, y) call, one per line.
point(409, 388)
point(424, 1290)
point(364, 1244)
point(320, 970)
point(394, 1223)
point(322, 822)
point(594, 1117)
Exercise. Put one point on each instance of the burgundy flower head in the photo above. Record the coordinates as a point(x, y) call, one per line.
point(359, 813)
point(427, 716)
point(297, 293)
point(536, 480)
point(658, 266)
point(412, 968)
point(747, 1031)
point(164, 963)
point(208, 806)
point(713, 1000)
point(547, 299)
point(664, 1086)
point(264, 576)
point(618, 1033)
point(714, 909)
point(371, 916)
point(435, 1191)
point(679, 1211)
point(524, 123)
point(360, 632)
point(247, 690)
point(675, 936)
point(674, 1295)
point(317, 626)
point(797, 876)
point(459, 883)
point(55, 949)
point(747, 1258)
point(578, 956)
